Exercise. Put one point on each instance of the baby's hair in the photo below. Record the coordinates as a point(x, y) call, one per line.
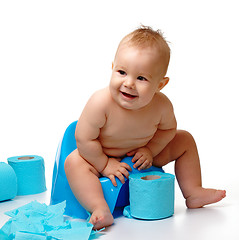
point(144, 37)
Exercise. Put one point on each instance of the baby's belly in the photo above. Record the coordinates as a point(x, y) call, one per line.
point(120, 149)
point(116, 152)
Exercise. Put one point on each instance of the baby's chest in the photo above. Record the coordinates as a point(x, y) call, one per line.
point(130, 127)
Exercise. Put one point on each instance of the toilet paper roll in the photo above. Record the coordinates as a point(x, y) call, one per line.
point(8, 182)
point(30, 171)
point(151, 195)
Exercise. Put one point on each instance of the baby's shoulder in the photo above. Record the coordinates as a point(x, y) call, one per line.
point(162, 99)
point(102, 95)
point(100, 98)
point(164, 105)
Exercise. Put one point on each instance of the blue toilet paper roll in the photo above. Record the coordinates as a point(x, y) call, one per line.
point(30, 171)
point(151, 195)
point(8, 182)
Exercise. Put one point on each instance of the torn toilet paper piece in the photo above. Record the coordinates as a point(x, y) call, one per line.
point(39, 221)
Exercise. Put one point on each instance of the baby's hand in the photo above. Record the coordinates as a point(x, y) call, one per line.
point(142, 157)
point(115, 168)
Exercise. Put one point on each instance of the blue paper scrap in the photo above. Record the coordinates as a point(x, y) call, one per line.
point(37, 221)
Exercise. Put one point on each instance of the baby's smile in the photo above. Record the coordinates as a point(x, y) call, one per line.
point(128, 95)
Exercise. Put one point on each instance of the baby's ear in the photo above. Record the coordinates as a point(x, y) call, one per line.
point(163, 83)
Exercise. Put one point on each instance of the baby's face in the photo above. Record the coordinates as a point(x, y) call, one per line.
point(135, 77)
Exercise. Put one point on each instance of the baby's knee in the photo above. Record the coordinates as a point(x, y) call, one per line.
point(185, 137)
point(75, 163)
point(70, 162)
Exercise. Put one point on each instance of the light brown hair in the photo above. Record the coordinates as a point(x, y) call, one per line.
point(144, 37)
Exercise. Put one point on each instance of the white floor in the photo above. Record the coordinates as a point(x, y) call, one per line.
point(218, 221)
point(51, 62)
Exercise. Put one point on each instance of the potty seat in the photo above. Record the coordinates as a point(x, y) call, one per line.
point(61, 191)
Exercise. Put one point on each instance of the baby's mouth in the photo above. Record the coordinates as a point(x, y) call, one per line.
point(127, 95)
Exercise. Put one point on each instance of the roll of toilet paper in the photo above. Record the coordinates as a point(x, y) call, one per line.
point(30, 171)
point(151, 195)
point(8, 182)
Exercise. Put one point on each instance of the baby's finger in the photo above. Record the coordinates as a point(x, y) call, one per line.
point(145, 165)
point(137, 156)
point(124, 172)
point(131, 153)
point(126, 166)
point(112, 179)
point(120, 177)
point(138, 163)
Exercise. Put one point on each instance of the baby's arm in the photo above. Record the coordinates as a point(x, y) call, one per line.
point(87, 132)
point(164, 134)
point(93, 117)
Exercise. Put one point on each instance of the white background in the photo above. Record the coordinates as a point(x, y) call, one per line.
point(55, 54)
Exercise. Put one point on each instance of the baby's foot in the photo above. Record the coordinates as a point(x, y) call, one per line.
point(204, 196)
point(101, 218)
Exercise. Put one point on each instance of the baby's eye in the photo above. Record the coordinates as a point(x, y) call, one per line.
point(121, 72)
point(141, 78)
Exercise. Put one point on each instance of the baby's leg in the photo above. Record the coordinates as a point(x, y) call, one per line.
point(183, 149)
point(84, 182)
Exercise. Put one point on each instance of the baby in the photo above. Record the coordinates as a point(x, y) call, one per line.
point(131, 117)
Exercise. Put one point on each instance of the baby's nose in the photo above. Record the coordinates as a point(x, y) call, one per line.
point(129, 82)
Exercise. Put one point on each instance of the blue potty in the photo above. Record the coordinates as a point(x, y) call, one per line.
point(61, 191)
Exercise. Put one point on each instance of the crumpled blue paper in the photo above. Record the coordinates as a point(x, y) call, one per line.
point(37, 221)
